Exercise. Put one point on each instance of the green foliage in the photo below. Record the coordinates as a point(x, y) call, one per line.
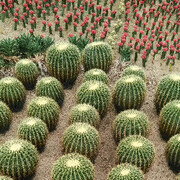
point(45, 109)
point(84, 113)
point(5, 116)
point(5, 178)
point(73, 167)
point(125, 53)
point(125, 172)
point(27, 72)
point(81, 138)
point(97, 75)
point(12, 92)
point(167, 90)
point(173, 152)
point(97, 55)
point(96, 94)
point(33, 130)
point(136, 150)
point(6, 64)
point(18, 159)
point(129, 93)
point(63, 62)
point(130, 122)
point(50, 87)
point(169, 119)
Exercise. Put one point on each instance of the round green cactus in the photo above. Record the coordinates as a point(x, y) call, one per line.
point(134, 70)
point(97, 75)
point(5, 116)
point(18, 159)
point(129, 93)
point(5, 178)
point(81, 138)
point(45, 109)
point(33, 130)
point(130, 122)
point(27, 72)
point(173, 152)
point(12, 92)
point(167, 90)
point(50, 87)
point(97, 55)
point(125, 172)
point(96, 94)
point(136, 150)
point(63, 61)
point(84, 113)
point(73, 167)
point(169, 119)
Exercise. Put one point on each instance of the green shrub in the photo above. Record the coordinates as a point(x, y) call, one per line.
point(173, 152)
point(125, 172)
point(81, 138)
point(12, 92)
point(33, 130)
point(73, 167)
point(84, 113)
point(97, 75)
point(167, 90)
point(125, 53)
point(136, 150)
point(45, 109)
point(135, 70)
point(97, 55)
point(96, 94)
point(129, 93)
point(5, 178)
point(130, 122)
point(27, 72)
point(18, 159)
point(63, 62)
point(50, 87)
point(5, 116)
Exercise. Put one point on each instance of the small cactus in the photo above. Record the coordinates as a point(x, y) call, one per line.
point(5, 178)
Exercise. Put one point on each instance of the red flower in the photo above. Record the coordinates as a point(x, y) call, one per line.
point(49, 24)
point(44, 22)
point(55, 10)
point(93, 32)
point(70, 35)
point(15, 19)
point(74, 24)
point(31, 31)
point(120, 44)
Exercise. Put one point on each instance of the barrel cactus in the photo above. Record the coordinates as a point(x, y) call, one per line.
point(45, 109)
point(5, 116)
point(73, 167)
point(97, 75)
point(84, 113)
point(135, 70)
point(81, 138)
point(173, 152)
point(50, 87)
point(129, 93)
point(27, 72)
point(136, 150)
point(130, 122)
point(5, 178)
point(12, 92)
point(125, 172)
point(167, 90)
point(18, 159)
point(63, 61)
point(96, 94)
point(97, 55)
point(33, 130)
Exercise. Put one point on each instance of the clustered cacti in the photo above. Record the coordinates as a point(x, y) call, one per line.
point(45, 109)
point(18, 159)
point(33, 130)
point(97, 55)
point(167, 90)
point(111, 39)
point(84, 113)
point(130, 122)
point(12, 92)
point(5, 178)
point(136, 150)
point(129, 93)
point(63, 61)
point(27, 72)
point(50, 87)
point(73, 166)
point(125, 171)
